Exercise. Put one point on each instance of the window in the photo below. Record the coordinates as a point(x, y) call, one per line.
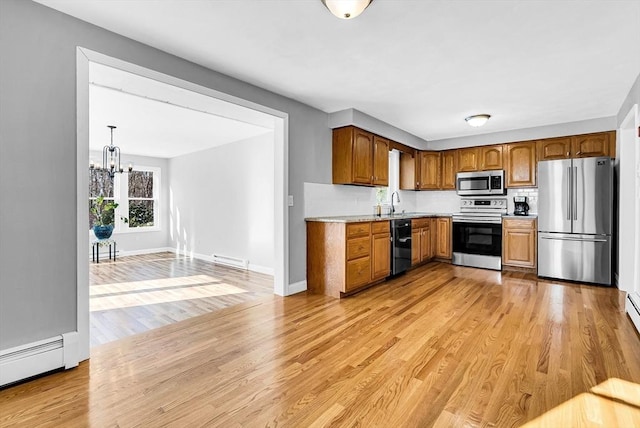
point(142, 205)
point(136, 194)
point(99, 185)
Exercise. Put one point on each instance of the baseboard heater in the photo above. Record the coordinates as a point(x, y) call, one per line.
point(32, 359)
point(231, 261)
point(632, 306)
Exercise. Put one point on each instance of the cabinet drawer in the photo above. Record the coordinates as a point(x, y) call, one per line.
point(358, 229)
point(417, 223)
point(358, 273)
point(358, 247)
point(380, 227)
point(510, 223)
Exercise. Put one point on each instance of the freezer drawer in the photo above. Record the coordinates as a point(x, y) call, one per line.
point(584, 258)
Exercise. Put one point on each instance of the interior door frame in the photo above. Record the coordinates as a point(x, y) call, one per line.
point(629, 202)
point(84, 57)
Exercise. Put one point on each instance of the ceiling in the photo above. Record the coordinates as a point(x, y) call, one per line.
point(160, 120)
point(421, 66)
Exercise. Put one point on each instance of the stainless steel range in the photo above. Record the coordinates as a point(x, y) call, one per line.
point(477, 233)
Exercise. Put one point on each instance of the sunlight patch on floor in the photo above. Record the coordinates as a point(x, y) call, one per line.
point(141, 293)
point(150, 284)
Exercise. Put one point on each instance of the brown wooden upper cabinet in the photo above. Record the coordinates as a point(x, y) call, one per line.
point(429, 170)
point(578, 146)
point(468, 159)
point(591, 145)
point(360, 157)
point(520, 164)
point(554, 148)
point(449, 166)
point(491, 157)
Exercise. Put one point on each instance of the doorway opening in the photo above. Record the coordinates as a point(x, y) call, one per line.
point(184, 243)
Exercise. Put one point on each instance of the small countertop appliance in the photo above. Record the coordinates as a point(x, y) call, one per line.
point(521, 205)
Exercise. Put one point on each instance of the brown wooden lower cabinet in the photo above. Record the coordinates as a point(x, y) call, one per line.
point(421, 243)
point(519, 242)
point(443, 238)
point(345, 257)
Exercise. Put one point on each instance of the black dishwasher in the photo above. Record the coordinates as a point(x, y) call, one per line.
point(400, 245)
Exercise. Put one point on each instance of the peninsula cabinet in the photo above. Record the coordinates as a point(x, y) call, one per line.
point(360, 157)
point(343, 258)
point(519, 242)
point(520, 164)
point(448, 168)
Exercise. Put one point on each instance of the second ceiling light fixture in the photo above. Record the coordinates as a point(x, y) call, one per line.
point(346, 9)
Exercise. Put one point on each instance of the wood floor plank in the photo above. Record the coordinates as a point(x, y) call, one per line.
point(441, 345)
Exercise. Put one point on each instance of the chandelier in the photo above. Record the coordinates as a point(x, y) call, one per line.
point(110, 159)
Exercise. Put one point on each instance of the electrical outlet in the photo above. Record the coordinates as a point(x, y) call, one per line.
point(290, 200)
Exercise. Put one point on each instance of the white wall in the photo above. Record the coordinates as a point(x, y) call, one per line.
point(221, 201)
point(135, 242)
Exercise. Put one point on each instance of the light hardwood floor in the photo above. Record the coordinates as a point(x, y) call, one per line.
point(139, 293)
point(440, 346)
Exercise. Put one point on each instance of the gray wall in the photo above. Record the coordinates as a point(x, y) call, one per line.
point(549, 131)
point(38, 217)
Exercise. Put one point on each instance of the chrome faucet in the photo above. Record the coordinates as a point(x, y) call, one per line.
point(393, 208)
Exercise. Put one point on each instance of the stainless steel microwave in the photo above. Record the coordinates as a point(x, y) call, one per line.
point(481, 183)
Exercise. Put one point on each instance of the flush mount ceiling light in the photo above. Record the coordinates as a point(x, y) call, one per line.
point(346, 9)
point(477, 119)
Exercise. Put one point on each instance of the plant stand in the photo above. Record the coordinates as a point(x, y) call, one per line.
point(95, 248)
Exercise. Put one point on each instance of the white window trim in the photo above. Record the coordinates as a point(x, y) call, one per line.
point(121, 196)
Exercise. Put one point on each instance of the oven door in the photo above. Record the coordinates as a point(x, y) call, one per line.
point(477, 238)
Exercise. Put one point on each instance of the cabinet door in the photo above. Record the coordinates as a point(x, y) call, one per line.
point(554, 148)
point(429, 170)
point(449, 162)
point(468, 159)
point(362, 157)
point(381, 255)
point(491, 157)
point(443, 231)
point(426, 251)
point(590, 145)
point(519, 243)
point(520, 164)
point(408, 171)
point(415, 246)
point(380, 161)
point(358, 273)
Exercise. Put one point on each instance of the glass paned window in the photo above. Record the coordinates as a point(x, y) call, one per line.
point(141, 201)
point(100, 184)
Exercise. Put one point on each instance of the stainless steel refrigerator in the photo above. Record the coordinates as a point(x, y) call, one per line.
point(575, 214)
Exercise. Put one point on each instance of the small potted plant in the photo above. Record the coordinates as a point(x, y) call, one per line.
point(103, 213)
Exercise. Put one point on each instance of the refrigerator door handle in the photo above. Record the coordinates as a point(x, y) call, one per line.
point(573, 239)
point(569, 198)
point(575, 192)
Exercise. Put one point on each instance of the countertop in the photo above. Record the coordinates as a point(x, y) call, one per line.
point(365, 217)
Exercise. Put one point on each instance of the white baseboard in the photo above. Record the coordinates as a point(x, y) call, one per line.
point(25, 361)
point(632, 306)
point(145, 251)
point(261, 269)
point(296, 287)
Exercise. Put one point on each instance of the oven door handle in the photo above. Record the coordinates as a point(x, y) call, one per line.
point(477, 220)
